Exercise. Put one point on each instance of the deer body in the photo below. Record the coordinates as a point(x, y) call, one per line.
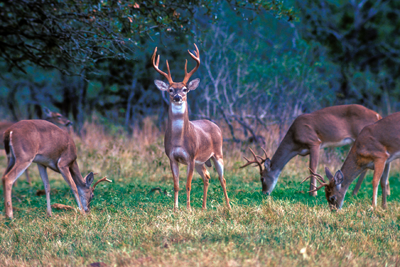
point(41, 142)
point(50, 116)
point(192, 143)
point(331, 126)
point(376, 146)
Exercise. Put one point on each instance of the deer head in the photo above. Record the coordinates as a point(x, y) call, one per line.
point(268, 181)
point(332, 188)
point(56, 118)
point(87, 193)
point(177, 90)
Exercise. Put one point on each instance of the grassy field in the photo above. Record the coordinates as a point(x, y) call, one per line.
point(129, 226)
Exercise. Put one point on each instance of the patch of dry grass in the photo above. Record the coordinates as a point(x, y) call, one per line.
point(130, 226)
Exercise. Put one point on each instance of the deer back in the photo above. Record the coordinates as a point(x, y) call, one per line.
point(33, 137)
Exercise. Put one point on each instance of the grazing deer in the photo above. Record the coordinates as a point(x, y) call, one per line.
point(375, 148)
point(44, 143)
point(327, 127)
point(50, 116)
point(192, 143)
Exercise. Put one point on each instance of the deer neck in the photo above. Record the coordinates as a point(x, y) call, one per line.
point(282, 156)
point(178, 122)
point(350, 170)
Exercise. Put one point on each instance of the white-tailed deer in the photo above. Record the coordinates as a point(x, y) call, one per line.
point(331, 126)
point(375, 147)
point(48, 115)
point(44, 143)
point(192, 143)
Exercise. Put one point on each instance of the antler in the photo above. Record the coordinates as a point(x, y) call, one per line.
point(104, 179)
point(197, 59)
point(320, 179)
point(266, 156)
point(155, 66)
point(254, 161)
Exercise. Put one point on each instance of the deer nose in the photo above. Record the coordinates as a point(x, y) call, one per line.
point(177, 98)
point(332, 198)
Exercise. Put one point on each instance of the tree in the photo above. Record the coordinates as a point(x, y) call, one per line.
point(362, 37)
point(72, 35)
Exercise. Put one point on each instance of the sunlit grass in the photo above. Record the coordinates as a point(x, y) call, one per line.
point(129, 226)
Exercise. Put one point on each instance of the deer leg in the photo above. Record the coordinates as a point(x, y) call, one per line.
point(45, 179)
point(175, 175)
point(314, 157)
point(10, 176)
point(379, 167)
point(384, 184)
point(219, 166)
point(190, 170)
point(359, 182)
point(66, 174)
point(28, 178)
point(205, 175)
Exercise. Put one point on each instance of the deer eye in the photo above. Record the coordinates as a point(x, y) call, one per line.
point(170, 90)
point(185, 90)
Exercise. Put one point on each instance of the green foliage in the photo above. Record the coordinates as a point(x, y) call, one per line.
point(361, 37)
point(73, 35)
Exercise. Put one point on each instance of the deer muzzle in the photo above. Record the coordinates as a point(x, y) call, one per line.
point(177, 98)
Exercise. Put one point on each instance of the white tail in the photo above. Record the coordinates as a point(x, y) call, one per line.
point(47, 145)
point(376, 146)
point(192, 143)
point(332, 126)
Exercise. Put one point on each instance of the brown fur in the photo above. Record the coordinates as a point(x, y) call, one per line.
point(192, 143)
point(50, 116)
point(42, 142)
point(309, 132)
point(376, 146)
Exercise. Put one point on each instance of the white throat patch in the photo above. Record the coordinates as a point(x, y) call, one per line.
point(178, 108)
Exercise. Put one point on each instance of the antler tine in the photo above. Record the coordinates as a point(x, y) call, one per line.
point(317, 175)
point(196, 57)
point(310, 177)
point(104, 179)
point(318, 188)
point(155, 66)
point(248, 163)
point(253, 161)
point(265, 152)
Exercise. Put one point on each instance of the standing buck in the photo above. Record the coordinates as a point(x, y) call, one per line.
point(47, 145)
point(327, 127)
point(376, 146)
point(50, 116)
point(192, 143)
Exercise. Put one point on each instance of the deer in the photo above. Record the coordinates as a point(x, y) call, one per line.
point(192, 143)
point(48, 115)
point(43, 143)
point(328, 127)
point(375, 148)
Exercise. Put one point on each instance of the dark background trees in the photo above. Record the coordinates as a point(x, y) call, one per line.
point(263, 62)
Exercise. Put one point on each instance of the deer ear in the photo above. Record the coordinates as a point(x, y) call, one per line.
point(339, 177)
point(194, 84)
point(161, 85)
point(89, 179)
point(267, 164)
point(328, 173)
point(47, 111)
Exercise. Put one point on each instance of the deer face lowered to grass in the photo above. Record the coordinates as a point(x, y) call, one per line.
point(41, 142)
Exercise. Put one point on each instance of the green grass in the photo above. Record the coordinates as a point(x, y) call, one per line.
point(127, 226)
